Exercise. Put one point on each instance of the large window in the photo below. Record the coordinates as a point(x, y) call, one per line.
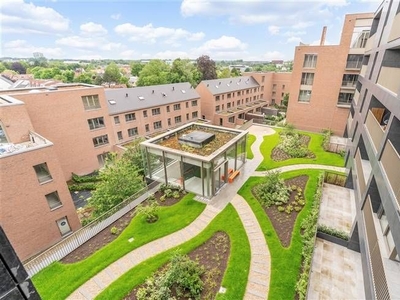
point(178, 119)
point(53, 200)
point(3, 137)
point(96, 123)
point(177, 106)
point(42, 172)
point(194, 114)
point(304, 96)
point(360, 37)
point(116, 120)
point(310, 61)
point(119, 134)
point(132, 131)
point(130, 117)
point(157, 125)
point(155, 111)
point(307, 78)
point(345, 98)
point(147, 127)
point(194, 102)
point(145, 113)
point(91, 102)
point(100, 140)
point(217, 108)
point(354, 61)
point(349, 80)
point(231, 119)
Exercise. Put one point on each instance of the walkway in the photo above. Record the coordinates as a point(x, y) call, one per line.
point(300, 167)
point(94, 286)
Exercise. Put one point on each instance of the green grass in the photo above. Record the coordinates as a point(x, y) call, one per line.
point(321, 156)
point(250, 140)
point(285, 262)
point(235, 278)
point(59, 280)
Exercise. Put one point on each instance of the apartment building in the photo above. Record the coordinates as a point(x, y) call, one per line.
point(36, 209)
point(373, 159)
point(228, 101)
point(324, 77)
point(144, 111)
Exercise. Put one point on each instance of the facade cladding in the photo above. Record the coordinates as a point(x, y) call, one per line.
point(324, 78)
point(373, 159)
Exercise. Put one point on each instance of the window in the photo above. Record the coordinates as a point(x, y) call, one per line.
point(231, 119)
point(3, 137)
point(100, 140)
point(63, 226)
point(345, 98)
point(354, 61)
point(177, 106)
point(283, 86)
point(262, 89)
point(169, 121)
point(229, 96)
point(167, 108)
point(194, 114)
point(194, 103)
point(187, 104)
point(254, 98)
point(255, 90)
point(91, 102)
point(360, 37)
point(157, 125)
point(187, 117)
point(247, 92)
point(53, 200)
point(155, 111)
point(132, 131)
point(262, 96)
point(223, 96)
point(223, 106)
point(310, 61)
point(217, 108)
point(130, 117)
point(101, 158)
point(307, 78)
point(238, 93)
point(119, 134)
point(274, 86)
point(116, 120)
point(96, 123)
point(145, 113)
point(42, 173)
point(349, 80)
point(147, 127)
point(241, 116)
point(282, 94)
point(217, 98)
point(304, 96)
point(228, 105)
point(247, 99)
point(263, 79)
point(238, 103)
point(178, 119)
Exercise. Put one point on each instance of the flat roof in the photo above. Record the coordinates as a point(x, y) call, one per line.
point(129, 99)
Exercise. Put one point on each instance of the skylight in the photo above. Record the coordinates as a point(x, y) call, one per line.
point(112, 102)
point(141, 97)
point(183, 91)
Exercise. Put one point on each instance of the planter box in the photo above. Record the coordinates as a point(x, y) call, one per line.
point(332, 239)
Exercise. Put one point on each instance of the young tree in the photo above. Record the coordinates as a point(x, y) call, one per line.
point(224, 73)
point(206, 67)
point(84, 78)
point(183, 70)
point(153, 73)
point(112, 74)
point(285, 100)
point(235, 72)
point(136, 67)
point(120, 179)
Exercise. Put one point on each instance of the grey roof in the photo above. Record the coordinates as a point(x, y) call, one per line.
point(225, 85)
point(128, 99)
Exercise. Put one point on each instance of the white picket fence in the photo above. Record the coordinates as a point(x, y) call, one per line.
point(79, 237)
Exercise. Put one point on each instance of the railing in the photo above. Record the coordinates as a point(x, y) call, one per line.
point(389, 78)
point(363, 70)
point(391, 164)
point(79, 237)
point(370, 41)
point(351, 84)
point(354, 64)
point(374, 129)
point(360, 174)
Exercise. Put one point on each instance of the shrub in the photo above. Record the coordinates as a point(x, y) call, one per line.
point(293, 187)
point(151, 197)
point(162, 198)
point(272, 191)
point(281, 208)
point(302, 202)
point(291, 144)
point(114, 230)
point(326, 138)
point(85, 178)
point(333, 232)
point(149, 211)
point(168, 193)
point(82, 186)
point(176, 194)
point(289, 209)
point(297, 208)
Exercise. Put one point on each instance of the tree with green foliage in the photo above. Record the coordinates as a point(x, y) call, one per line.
point(183, 70)
point(18, 67)
point(136, 67)
point(112, 74)
point(119, 179)
point(206, 67)
point(224, 73)
point(235, 72)
point(153, 73)
point(84, 78)
point(285, 100)
point(247, 69)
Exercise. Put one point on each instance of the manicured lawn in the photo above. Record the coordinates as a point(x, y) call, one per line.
point(285, 262)
point(235, 278)
point(59, 280)
point(321, 156)
point(250, 140)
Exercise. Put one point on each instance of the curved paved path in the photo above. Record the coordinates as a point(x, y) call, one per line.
point(260, 262)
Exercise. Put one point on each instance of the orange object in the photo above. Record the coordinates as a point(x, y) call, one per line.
point(233, 176)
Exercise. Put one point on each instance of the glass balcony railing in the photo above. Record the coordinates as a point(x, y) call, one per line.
point(375, 130)
point(391, 164)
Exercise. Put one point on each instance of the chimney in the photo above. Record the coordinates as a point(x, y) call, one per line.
point(323, 36)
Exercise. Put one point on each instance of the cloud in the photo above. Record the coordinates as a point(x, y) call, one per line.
point(92, 29)
point(81, 42)
point(150, 34)
point(273, 55)
point(115, 16)
point(274, 30)
point(21, 48)
point(20, 17)
point(225, 47)
point(294, 39)
point(171, 54)
point(302, 25)
point(294, 33)
point(128, 54)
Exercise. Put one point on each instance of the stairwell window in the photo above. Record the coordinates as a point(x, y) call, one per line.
point(177, 106)
point(130, 117)
point(307, 78)
point(178, 119)
point(91, 102)
point(100, 140)
point(157, 125)
point(96, 123)
point(310, 61)
point(53, 200)
point(132, 131)
point(304, 96)
point(42, 173)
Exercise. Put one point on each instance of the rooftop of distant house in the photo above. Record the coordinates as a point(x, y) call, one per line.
point(225, 85)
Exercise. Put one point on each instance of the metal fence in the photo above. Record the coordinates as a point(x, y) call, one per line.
point(79, 237)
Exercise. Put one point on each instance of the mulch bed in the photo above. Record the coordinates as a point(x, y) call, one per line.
point(283, 223)
point(105, 236)
point(213, 255)
point(280, 155)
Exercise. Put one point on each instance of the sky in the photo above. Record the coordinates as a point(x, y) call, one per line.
point(168, 29)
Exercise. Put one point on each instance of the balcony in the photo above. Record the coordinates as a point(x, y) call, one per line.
point(355, 98)
point(349, 84)
point(375, 130)
point(370, 42)
point(35, 141)
point(391, 164)
point(389, 78)
point(363, 168)
point(349, 123)
point(363, 70)
point(395, 31)
point(354, 65)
